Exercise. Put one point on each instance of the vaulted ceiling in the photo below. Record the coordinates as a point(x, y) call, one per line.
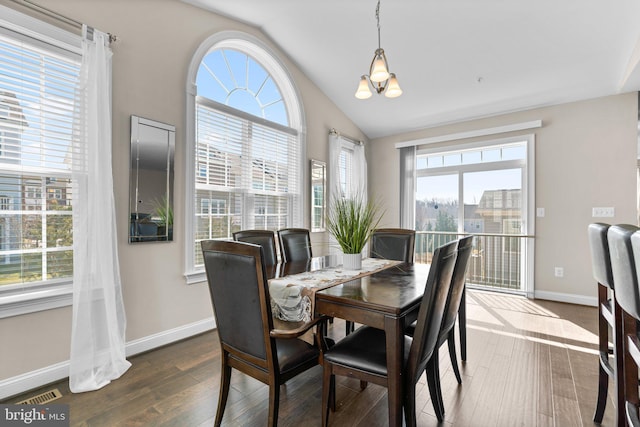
point(455, 59)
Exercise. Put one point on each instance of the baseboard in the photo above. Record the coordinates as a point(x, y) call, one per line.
point(167, 337)
point(569, 298)
point(40, 377)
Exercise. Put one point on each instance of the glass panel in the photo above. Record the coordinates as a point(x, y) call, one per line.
point(493, 199)
point(437, 203)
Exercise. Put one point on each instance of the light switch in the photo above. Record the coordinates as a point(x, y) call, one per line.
point(540, 212)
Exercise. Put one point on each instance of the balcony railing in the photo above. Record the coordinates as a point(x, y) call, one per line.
point(497, 260)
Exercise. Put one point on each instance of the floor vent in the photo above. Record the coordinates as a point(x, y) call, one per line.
point(42, 398)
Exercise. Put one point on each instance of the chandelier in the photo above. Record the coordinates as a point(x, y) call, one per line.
point(379, 76)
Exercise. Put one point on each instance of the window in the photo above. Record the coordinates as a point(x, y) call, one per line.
point(247, 148)
point(38, 124)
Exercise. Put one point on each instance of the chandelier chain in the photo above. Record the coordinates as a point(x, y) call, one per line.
point(378, 19)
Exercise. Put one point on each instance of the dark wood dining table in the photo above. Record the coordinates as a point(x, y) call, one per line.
point(387, 300)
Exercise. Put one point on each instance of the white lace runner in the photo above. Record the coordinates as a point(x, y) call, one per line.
point(292, 296)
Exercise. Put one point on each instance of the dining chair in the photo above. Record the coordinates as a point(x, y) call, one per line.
point(454, 299)
point(626, 315)
point(362, 354)
point(393, 243)
point(601, 267)
point(295, 244)
point(264, 238)
point(249, 343)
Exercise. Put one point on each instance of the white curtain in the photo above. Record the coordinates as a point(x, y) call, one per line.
point(98, 323)
point(356, 179)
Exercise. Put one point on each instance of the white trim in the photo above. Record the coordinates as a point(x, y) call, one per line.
point(568, 298)
point(195, 277)
point(33, 300)
point(170, 336)
point(471, 134)
point(40, 377)
point(40, 30)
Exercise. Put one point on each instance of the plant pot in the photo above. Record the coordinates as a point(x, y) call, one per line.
point(352, 261)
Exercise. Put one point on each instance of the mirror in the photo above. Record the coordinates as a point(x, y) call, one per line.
point(318, 200)
point(151, 181)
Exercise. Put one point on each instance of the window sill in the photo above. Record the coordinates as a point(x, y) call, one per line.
point(195, 277)
point(21, 301)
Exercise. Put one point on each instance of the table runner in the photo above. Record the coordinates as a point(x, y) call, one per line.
point(292, 296)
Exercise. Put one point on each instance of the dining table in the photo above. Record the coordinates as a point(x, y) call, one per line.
point(388, 299)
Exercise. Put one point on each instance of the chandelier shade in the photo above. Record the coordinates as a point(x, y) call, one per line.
point(379, 77)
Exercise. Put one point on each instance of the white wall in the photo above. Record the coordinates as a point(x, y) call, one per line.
point(156, 40)
point(585, 157)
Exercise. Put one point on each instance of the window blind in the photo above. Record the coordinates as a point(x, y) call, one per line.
point(38, 124)
point(247, 174)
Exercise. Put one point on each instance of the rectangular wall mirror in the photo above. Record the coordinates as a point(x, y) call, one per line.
point(318, 194)
point(151, 181)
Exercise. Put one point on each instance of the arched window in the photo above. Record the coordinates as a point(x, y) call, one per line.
point(245, 143)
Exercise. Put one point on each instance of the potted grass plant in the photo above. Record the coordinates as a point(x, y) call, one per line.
point(351, 221)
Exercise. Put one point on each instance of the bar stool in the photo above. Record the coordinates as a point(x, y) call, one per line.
point(626, 299)
point(601, 266)
point(631, 320)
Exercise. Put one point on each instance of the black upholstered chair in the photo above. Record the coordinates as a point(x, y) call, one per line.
point(362, 354)
point(264, 238)
point(295, 244)
point(624, 246)
point(249, 343)
point(601, 267)
point(447, 330)
point(393, 243)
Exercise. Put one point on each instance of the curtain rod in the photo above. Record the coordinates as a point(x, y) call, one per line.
point(53, 14)
point(333, 131)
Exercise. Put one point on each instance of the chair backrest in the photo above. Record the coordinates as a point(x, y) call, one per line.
point(635, 246)
point(393, 243)
point(295, 244)
point(623, 267)
point(465, 246)
point(600, 259)
point(264, 238)
point(240, 297)
point(431, 311)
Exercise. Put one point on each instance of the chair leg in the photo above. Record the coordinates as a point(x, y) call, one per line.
point(224, 388)
point(274, 400)
point(349, 327)
point(434, 388)
point(328, 393)
point(451, 342)
point(410, 404)
point(603, 346)
point(603, 388)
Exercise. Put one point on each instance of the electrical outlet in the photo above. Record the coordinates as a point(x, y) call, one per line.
point(606, 212)
point(559, 272)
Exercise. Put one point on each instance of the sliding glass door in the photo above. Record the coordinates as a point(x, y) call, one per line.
point(481, 190)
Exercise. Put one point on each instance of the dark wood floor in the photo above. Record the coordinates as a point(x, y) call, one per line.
point(530, 363)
